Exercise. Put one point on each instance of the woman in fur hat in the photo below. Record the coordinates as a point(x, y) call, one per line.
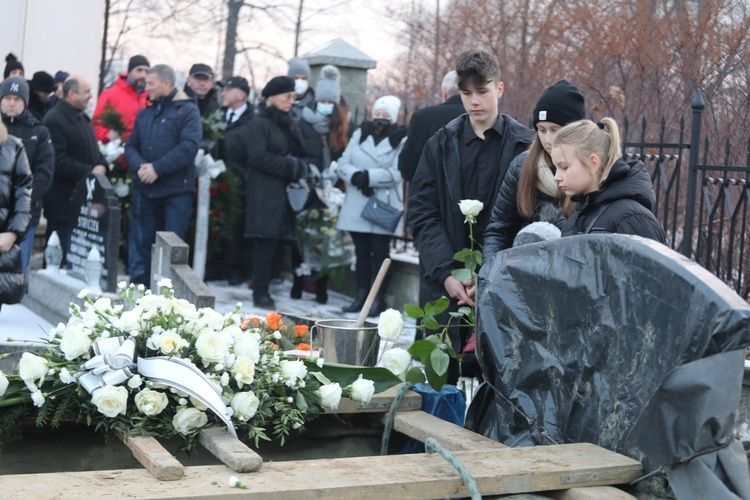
point(370, 166)
point(529, 185)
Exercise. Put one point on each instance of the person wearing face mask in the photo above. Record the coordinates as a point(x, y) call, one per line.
point(370, 166)
point(325, 130)
point(304, 95)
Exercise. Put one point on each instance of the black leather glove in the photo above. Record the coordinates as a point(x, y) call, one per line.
point(300, 169)
point(361, 179)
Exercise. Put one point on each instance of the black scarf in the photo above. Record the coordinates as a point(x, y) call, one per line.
point(395, 133)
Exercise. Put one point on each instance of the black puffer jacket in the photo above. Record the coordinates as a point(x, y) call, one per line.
point(15, 214)
point(628, 195)
point(39, 151)
point(505, 220)
point(275, 153)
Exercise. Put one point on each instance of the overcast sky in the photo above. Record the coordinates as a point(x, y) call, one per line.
point(365, 25)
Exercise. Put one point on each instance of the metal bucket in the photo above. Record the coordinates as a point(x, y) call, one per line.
point(340, 341)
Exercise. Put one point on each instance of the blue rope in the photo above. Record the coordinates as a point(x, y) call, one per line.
point(432, 446)
point(391, 416)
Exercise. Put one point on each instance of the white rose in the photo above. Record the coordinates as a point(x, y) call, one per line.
point(245, 369)
point(182, 307)
point(110, 400)
point(130, 320)
point(150, 402)
point(135, 381)
point(362, 389)
point(397, 360)
point(38, 398)
point(207, 320)
point(32, 368)
point(75, 343)
point(3, 383)
point(212, 347)
point(390, 325)
point(188, 419)
point(292, 370)
point(169, 342)
point(470, 207)
point(247, 345)
point(246, 404)
point(330, 395)
point(198, 403)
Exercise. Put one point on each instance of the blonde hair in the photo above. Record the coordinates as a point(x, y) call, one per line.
point(587, 137)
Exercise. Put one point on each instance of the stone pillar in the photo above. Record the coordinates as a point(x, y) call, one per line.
point(352, 64)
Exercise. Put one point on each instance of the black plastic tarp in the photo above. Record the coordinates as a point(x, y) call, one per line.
point(617, 341)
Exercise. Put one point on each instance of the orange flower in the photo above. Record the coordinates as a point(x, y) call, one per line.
point(250, 323)
point(300, 330)
point(273, 320)
point(304, 347)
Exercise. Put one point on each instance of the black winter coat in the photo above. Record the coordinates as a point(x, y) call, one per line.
point(39, 151)
point(629, 196)
point(15, 215)
point(234, 147)
point(505, 220)
point(274, 160)
point(76, 154)
point(208, 105)
point(438, 225)
point(313, 142)
point(423, 124)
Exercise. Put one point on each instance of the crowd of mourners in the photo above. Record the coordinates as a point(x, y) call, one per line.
point(565, 177)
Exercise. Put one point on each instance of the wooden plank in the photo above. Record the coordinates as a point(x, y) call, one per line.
point(152, 455)
point(496, 471)
point(380, 403)
point(229, 450)
point(420, 426)
point(592, 493)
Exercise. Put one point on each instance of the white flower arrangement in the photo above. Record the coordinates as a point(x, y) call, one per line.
point(258, 391)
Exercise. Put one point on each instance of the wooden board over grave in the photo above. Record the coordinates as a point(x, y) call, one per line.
point(95, 221)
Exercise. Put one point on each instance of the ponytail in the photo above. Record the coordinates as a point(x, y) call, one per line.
point(3, 132)
point(601, 139)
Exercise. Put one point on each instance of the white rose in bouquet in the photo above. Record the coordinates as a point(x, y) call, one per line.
point(75, 342)
point(207, 320)
point(183, 308)
point(129, 320)
point(293, 369)
point(243, 370)
point(169, 342)
point(3, 384)
point(390, 325)
point(151, 402)
point(397, 360)
point(110, 400)
point(470, 207)
point(330, 395)
point(362, 389)
point(186, 420)
point(32, 368)
point(246, 404)
point(247, 345)
point(212, 347)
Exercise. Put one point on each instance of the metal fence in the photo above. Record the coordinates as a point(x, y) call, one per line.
point(703, 207)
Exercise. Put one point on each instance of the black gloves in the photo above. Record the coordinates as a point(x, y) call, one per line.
point(361, 180)
point(300, 169)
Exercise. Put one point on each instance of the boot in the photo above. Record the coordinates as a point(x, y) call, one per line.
point(356, 306)
point(263, 299)
point(321, 290)
point(296, 292)
point(378, 305)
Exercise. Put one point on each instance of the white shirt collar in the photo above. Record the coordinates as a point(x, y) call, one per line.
point(237, 112)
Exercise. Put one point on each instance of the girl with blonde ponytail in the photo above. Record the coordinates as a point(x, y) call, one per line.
point(611, 196)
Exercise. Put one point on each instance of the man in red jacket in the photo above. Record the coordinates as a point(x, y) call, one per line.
point(127, 96)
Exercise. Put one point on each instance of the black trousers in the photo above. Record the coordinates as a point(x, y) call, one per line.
point(371, 250)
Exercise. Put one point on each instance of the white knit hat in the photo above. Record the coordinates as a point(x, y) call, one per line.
point(390, 103)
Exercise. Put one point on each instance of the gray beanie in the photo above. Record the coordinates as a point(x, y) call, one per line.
point(15, 85)
point(328, 88)
point(298, 66)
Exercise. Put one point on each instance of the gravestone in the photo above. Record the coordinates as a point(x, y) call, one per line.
point(95, 219)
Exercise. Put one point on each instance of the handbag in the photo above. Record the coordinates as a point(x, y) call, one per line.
point(381, 213)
